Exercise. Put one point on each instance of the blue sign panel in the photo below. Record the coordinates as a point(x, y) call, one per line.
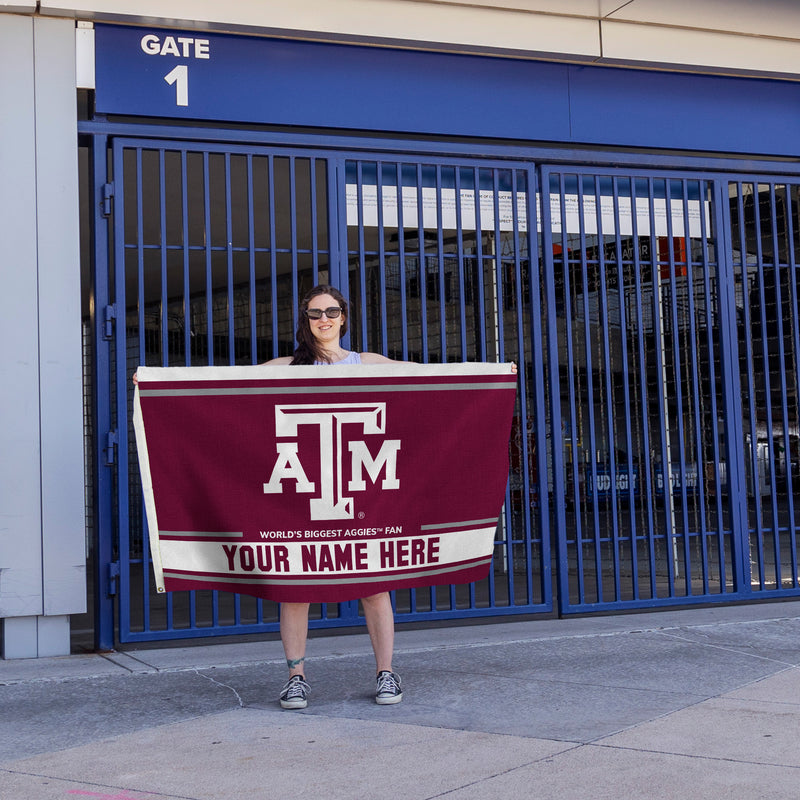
point(227, 78)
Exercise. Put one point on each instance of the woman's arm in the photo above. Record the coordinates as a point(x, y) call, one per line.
point(278, 362)
point(376, 358)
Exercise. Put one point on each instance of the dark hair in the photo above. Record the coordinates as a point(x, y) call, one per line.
point(308, 349)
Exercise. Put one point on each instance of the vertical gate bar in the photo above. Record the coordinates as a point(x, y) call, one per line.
point(734, 422)
point(712, 300)
point(187, 302)
point(208, 247)
point(162, 247)
point(587, 339)
point(336, 178)
point(463, 325)
point(554, 385)
point(645, 483)
point(164, 293)
point(658, 316)
point(516, 218)
point(339, 254)
point(361, 258)
point(441, 266)
point(401, 261)
point(142, 358)
point(782, 373)
point(293, 237)
point(499, 304)
point(623, 323)
point(229, 260)
point(604, 322)
point(423, 267)
point(314, 233)
point(753, 455)
point(251, 260)
point(499, 299)
point(102, 379)
point(791, 265)
point(273, 257)
point(480, 263)
point(696, 392)
point(121, 390)
point(460, 268)
point(677, 377)
point(539, 376)
point(481, 354)
point(384, 343)
point(766, 376)
point(573, 400)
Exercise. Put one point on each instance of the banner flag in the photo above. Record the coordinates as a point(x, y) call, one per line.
point(318, 484)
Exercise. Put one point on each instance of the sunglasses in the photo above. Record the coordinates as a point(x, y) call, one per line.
point(330, 313)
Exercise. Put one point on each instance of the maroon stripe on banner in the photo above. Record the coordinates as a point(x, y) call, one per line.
point(331, 592)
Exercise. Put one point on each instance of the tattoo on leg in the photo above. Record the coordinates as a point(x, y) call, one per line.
point(294, 662)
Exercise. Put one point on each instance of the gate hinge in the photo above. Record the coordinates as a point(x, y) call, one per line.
point(108, 193)
point(113, 574)
point(109, 315)
point(112, 439)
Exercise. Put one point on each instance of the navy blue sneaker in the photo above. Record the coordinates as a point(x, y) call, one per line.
point(389, 689)
point(295, 693)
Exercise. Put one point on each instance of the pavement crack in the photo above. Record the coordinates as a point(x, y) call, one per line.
point(504, 772)
point(739, 650)
point(220, 683)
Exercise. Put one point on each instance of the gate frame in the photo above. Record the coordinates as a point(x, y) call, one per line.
point(108, 147)
point(100, 133)
point(730, 376)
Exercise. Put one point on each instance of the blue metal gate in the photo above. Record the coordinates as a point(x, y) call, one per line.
point(653, 316)
point(765, 241)
point(213, 245)
point(674, 328)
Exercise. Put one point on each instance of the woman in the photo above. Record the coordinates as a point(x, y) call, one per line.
point(321, 324)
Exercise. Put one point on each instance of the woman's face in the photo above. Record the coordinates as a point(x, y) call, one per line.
point(326, 331)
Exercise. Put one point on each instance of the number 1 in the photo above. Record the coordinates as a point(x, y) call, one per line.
point(180, 77)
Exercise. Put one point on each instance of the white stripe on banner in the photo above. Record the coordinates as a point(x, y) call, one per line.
point(319, 557)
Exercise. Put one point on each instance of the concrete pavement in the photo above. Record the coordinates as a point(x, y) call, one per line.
point(698, 703)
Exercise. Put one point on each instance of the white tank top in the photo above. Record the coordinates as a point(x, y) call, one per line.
point(351, 358)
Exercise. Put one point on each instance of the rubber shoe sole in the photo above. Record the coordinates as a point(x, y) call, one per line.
point(389, 700)
point(296, 702)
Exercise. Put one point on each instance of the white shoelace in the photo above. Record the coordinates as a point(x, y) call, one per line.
point(296, 687)
point(387, 684)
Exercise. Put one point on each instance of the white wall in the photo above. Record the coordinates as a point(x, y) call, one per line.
point(725, 36)
point(42, 525)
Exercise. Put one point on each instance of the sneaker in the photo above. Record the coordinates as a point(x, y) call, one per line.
point(389, 689)
point(294, 694)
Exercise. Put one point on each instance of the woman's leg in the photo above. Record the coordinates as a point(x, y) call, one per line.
point(379, 616)
point(294, 633)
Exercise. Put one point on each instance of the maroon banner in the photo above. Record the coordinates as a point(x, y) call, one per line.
point(317, 484)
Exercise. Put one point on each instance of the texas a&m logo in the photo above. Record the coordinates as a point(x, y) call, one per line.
point(330, 419)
